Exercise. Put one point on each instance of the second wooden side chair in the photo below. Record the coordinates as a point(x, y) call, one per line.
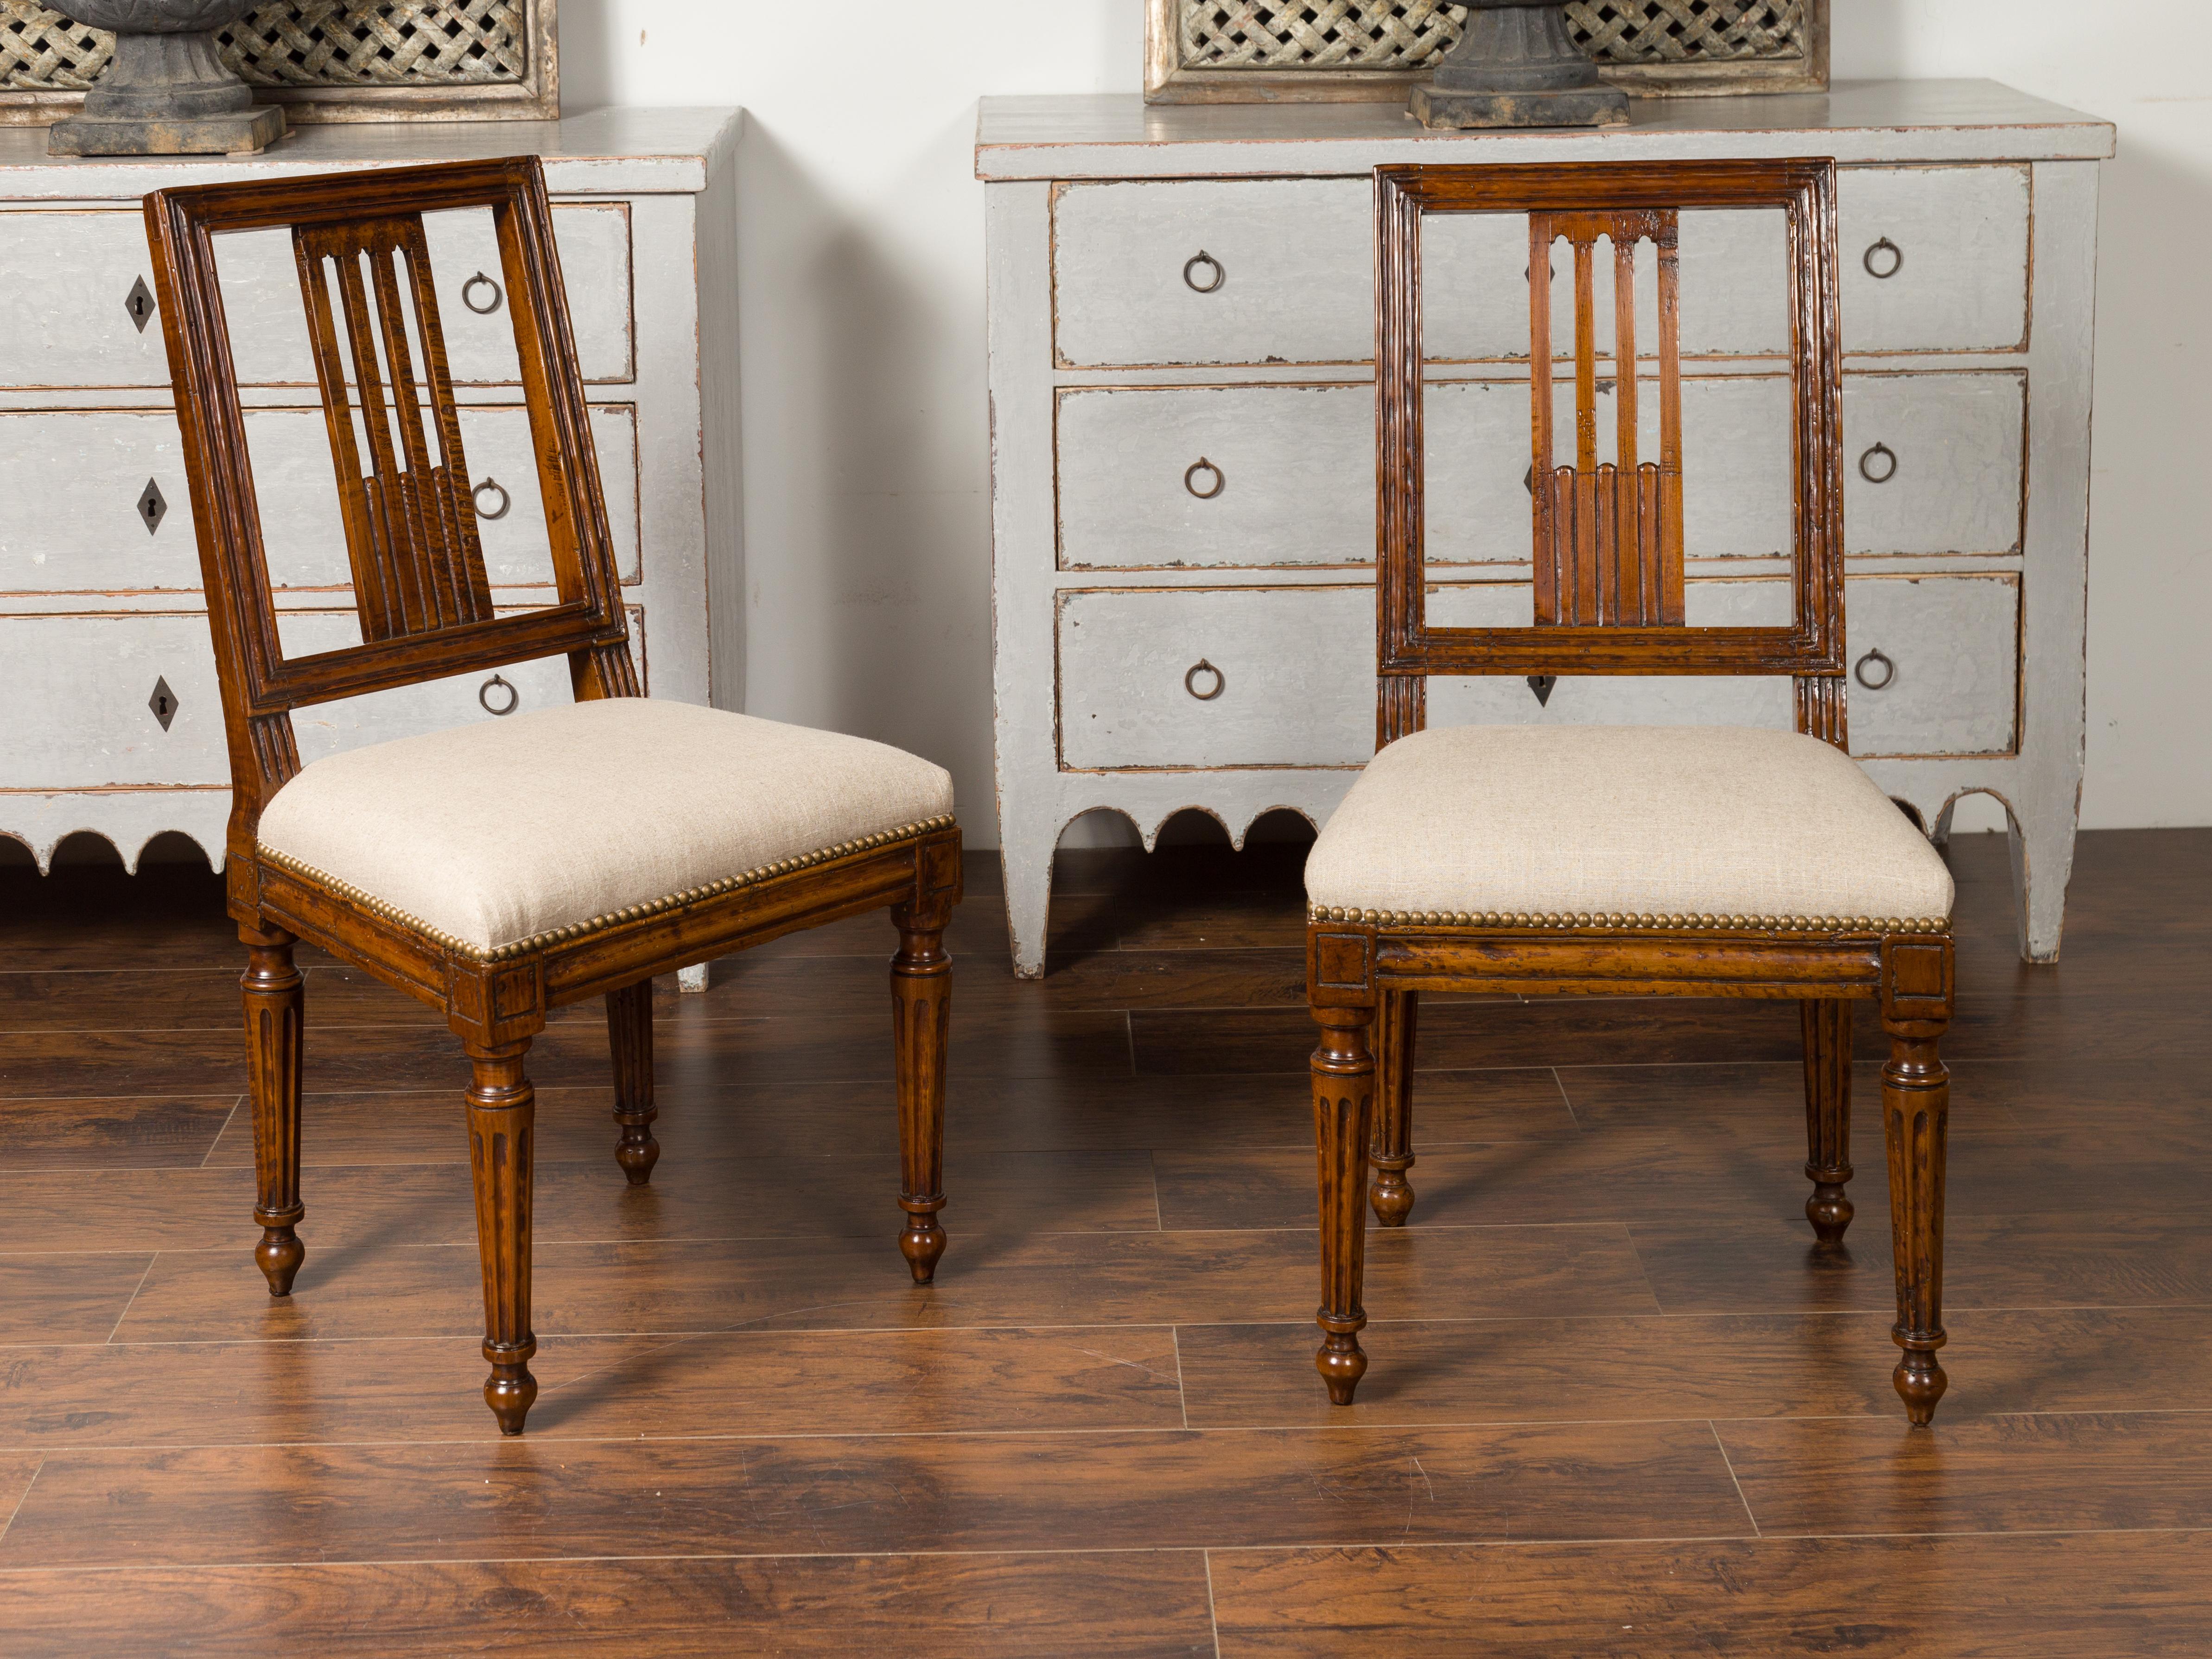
point(1621, 861)
point(507, 868)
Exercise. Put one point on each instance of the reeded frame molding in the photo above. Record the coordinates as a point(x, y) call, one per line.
point(1805, 189)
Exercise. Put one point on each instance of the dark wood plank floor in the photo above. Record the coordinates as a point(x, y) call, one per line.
point(1617, 1404)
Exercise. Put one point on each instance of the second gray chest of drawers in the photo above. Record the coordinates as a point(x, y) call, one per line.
point(1182, 333)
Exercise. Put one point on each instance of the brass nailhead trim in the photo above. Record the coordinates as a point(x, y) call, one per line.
point(392, 913)
point(1631, 923)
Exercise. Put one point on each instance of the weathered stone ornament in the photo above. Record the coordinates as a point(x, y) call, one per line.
point(1516, 65)
point(165, 93)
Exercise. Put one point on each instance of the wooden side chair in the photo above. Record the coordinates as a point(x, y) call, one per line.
point(515, 866)
point(1620, 861)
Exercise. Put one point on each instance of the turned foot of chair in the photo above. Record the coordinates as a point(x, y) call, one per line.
point(921, 1029)
point(1343, 1099)
point(1915, 1110)
point(1392, 1153)
point(630, 1040)
point(510, 1390)
point(278, 1256)
point(273, 991)
point(1342, 1361)
point(503, 1114)
point(922, 1242)
point(1827, 1030)
point(1920, 1383)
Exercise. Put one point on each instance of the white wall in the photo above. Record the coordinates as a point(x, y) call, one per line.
point(867, 458)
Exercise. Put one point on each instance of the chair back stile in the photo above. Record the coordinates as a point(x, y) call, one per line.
point(1607, 544)
point(421, 589)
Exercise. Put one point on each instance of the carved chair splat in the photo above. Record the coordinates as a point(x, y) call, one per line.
point(1543, 860)
point(583, 849)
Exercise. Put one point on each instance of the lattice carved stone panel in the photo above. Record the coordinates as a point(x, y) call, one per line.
point(1410, 34)
point(299, 43)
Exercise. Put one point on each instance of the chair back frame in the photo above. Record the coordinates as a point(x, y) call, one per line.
point(420, 585)
point(1607, 547)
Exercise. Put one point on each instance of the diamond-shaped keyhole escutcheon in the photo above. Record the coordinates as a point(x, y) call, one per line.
point(139, 302)
point(163, 702)
point(153, 506)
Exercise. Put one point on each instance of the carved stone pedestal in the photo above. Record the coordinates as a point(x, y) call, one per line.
point(1516, 66)
point(165, 92)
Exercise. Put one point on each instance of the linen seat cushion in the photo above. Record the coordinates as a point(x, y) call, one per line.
point(505, 831)
point(1644, 821)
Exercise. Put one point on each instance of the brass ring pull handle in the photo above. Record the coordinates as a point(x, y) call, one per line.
point(482, 281)
point(1190, 681)
point(513, 696)
point(1190, 479)
point(1896, 262)
point(491, 486)
point(1888, 672)
point(1867, 463)
point(1202, 258)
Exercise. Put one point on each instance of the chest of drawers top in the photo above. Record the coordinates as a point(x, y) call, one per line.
point(606, 152)
point(1121, 136)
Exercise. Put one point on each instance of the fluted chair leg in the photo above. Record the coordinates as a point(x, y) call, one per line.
point(274, 1013)
point(1828, 1026)
point(629, 1039)
point(1343, 1099)
point(502, 1113)
point(1916, 1108)
point(921, 1030)
point(1915, 1112)
point(1392, 1152)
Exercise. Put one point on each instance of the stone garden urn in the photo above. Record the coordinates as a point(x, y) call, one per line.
point(165, 92)
point(1516, 65)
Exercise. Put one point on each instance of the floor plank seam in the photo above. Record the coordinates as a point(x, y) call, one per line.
point(1135, 1431)
point(22, 1498)
point(1183, 1387)
point(207, 1162)
point(1212, 1618)
point(1437, 1426)
point(133, 1297)
point(1025, 1551)
point(1558, 1082)
point(1721, 1446)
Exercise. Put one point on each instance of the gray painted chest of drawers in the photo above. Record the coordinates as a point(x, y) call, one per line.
point(1182, 422)
point(99, 597)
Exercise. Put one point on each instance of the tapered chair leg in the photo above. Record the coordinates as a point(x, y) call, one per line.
point(1915, 1110)
point(1827, 1116)
point(273, 991)
point(502, 1113)
point(1343, 1100)
point(629, 1039)
point(1392, 1153)
point(921, 1029)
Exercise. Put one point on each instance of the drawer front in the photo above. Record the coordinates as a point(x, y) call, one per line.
point(78, 689)
point(1288, 472)
point(1297, 683)
point(104, 544)
point(1197, 475)
point(1286, 273)
point(1961, 241)
point(82, 265)
point(1953, 478)
point(1296, 277)
point(1296, 672)
point(1954, 642)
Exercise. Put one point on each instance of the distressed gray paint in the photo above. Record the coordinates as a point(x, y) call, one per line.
point(1943, 356)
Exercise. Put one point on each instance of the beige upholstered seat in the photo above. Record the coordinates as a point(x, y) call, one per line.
point(507, 831)
point(1500, 822)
